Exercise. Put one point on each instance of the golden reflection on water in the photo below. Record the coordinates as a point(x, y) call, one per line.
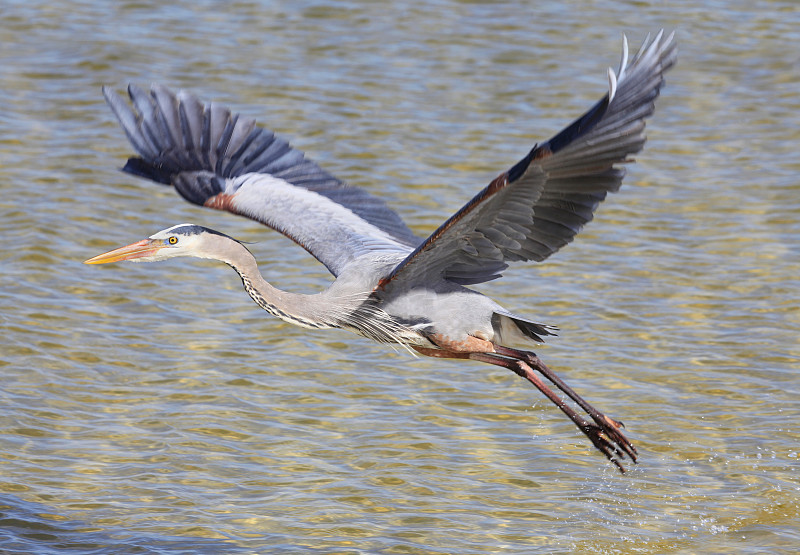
point(154, 407)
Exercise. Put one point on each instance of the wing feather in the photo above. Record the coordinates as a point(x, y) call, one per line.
point(222, 160)
point(543, 201)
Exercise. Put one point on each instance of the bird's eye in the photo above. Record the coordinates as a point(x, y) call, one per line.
point(172, 240)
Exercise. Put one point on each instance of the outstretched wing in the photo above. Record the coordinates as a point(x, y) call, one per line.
point(221, 160)
point(540, 204)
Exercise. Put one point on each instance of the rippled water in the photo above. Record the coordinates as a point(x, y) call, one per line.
point(155, 409)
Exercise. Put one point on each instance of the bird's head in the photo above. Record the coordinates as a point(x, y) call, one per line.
point(179, 240)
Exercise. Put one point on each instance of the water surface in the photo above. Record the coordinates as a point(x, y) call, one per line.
point(155, 409)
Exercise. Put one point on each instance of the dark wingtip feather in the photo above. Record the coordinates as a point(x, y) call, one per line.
point(579, 126)
point(141, 168)
point(198, 187)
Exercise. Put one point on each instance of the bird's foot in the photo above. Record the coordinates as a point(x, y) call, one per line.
point(614, 446)
point(607, 437)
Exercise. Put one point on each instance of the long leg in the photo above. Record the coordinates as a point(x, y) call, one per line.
point(606, 443)
point(610, 427)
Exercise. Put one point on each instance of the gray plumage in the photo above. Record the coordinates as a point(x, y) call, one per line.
point(392, 286)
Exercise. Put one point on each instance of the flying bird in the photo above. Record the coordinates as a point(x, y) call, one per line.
point(390, 285)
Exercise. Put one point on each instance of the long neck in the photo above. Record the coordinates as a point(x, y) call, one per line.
point(339, 306)
point(310, 311)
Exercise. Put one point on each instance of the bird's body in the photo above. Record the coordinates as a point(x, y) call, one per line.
point(392, 286)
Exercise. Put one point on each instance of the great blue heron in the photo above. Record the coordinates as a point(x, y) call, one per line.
point(390, 285)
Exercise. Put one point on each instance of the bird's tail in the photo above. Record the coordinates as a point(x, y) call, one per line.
point(513, 329)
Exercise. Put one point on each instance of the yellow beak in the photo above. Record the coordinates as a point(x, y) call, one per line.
point(139, 249)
